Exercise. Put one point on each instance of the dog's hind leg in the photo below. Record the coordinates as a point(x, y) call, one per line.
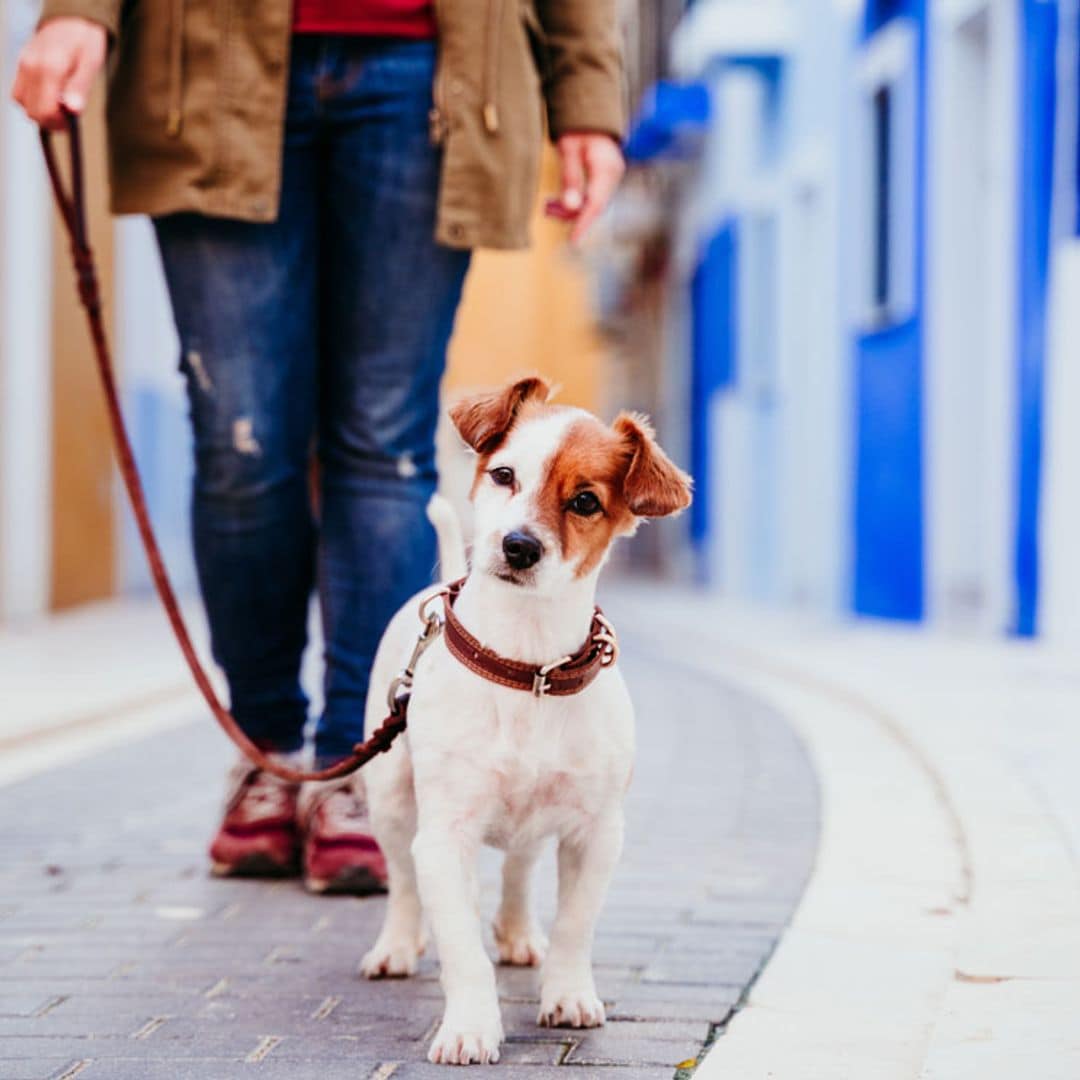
point(518, 936)
point(401, 941)
point(567, 992)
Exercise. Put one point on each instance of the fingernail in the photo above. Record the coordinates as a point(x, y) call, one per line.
point(73, 101)
point(572, 199)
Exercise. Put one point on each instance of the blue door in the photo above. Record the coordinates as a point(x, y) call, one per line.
point(1038, 95)
point(888, 379)
point(713, 367)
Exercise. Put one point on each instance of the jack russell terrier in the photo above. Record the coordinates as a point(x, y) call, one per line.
point(485, 762)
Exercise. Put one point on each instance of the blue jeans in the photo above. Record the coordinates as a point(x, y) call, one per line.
point(323, 333)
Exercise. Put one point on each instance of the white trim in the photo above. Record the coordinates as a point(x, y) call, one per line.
point(887, 56)
point(973, 150)
point(727, 29)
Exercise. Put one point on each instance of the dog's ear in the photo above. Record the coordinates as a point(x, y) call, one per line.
point(484, 420)
point(653, 486)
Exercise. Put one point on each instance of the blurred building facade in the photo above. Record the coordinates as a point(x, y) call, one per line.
point(66, 537)
point(866, 219)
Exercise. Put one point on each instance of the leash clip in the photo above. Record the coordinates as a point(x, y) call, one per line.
point(399, 690)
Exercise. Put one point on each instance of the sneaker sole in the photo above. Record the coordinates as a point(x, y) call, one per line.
point(356, 881)
point(261, 866)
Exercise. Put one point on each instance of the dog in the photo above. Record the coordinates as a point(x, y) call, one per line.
point(486, 763)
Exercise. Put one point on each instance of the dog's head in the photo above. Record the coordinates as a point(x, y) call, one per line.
point(554, 486)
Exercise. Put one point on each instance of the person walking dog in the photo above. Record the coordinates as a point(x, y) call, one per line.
point(318, 173)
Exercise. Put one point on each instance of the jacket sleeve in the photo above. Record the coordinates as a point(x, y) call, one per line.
point(106, 12)
point(584, 83)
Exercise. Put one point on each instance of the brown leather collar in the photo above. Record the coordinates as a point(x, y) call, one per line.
point(567, 675)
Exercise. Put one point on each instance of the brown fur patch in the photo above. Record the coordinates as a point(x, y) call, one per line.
point(593, 458)
point(654, 486)
point(484, 420)
point(627, 471)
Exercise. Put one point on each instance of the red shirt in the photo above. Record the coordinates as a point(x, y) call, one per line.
point(385, 18)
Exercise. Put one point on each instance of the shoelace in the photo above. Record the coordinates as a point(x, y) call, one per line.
point(263, 795)
point(341, 809)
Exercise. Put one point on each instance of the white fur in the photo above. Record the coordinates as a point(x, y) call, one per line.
point(482, 763)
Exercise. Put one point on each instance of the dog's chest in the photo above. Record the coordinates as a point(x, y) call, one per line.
point(528, 804)
point(547, 770)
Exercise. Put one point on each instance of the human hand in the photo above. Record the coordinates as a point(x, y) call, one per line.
point(592, 166)
point(57, 68)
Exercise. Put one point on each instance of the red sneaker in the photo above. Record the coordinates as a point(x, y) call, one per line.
point(258, 836)
point(340, 854)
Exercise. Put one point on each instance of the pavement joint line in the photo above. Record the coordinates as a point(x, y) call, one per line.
point(266, 1045)
point(150, 1027)
point(568, 1047)
point(327, 1006)
point(74, 1069)
point(48, 1006)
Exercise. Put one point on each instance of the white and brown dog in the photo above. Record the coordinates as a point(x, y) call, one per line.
point(487, 763)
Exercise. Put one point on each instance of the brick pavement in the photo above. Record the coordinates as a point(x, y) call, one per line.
point(120, 958)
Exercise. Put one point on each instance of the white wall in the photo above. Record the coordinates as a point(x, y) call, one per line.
point(1059, 592)
point(971, 313)
point(155, 405)
point(25, 366)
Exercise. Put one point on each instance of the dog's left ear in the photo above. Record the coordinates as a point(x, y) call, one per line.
point(654, 486)
point(485, 420)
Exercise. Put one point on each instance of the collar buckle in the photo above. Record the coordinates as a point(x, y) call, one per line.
point(541, 686)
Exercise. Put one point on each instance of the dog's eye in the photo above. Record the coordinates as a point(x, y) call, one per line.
point(585, 503)
point(502, 476)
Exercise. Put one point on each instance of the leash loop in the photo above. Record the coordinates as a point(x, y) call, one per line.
point(72, 207)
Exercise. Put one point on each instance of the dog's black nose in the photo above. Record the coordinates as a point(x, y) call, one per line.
point(521, 550)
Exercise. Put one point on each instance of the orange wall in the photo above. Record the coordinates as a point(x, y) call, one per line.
point(528, 312)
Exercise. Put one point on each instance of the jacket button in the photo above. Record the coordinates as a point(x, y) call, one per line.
point(457, 231)
point(456, 87)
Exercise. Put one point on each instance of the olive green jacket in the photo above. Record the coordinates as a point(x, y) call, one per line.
point(196, 103)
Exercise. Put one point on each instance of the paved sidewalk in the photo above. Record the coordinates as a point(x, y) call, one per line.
point(120, 958)
point(939, 935)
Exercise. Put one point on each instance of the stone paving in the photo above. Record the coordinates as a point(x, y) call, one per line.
point(120, 959)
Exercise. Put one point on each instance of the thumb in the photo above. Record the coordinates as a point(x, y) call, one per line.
point(573, 174)
point(76, 88)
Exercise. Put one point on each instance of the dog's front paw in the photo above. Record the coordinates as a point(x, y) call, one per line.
point(392, 958)
point(467, 1043)
point(575, 1008)
point(523, 947)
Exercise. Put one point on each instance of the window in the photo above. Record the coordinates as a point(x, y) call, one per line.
point(887, 221)
point(881, 195)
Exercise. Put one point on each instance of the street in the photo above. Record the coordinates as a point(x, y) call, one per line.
point(120, 957)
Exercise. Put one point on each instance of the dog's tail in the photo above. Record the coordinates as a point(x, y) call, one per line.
point(443, 516)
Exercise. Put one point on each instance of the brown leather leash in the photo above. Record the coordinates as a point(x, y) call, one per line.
point(568, 675)
point(73, 214)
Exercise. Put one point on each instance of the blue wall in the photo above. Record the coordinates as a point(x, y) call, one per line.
point(1038, 94)
point(715, 328)
point(888, 518)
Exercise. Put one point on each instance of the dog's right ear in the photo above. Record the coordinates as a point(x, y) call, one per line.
point(483, 421)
